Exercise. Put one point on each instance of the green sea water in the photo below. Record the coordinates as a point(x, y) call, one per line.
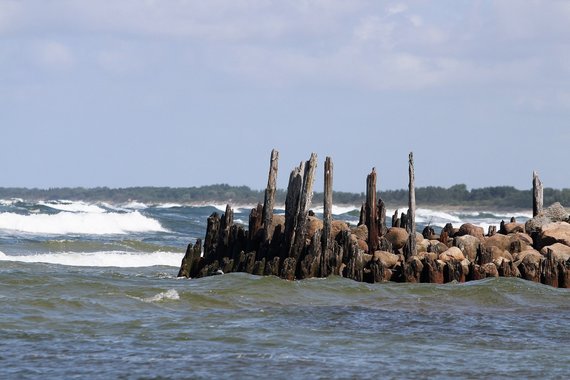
point(86, 304)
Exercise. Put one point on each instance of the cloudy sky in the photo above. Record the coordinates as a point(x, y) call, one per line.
point(185, 93)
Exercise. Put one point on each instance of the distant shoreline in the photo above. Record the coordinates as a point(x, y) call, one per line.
point(457, 197)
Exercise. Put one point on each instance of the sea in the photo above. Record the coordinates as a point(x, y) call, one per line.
point(89, 290)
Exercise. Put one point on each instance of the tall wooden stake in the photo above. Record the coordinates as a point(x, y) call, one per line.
point(371, 210)
point(327, 217)
point(269, 201)
point(537, 194)
point(304, 205)
point(411, 208)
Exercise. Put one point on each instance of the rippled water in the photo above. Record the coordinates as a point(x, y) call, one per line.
point(61, 322)
point(108, 306)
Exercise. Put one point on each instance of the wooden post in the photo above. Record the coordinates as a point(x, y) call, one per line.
point(381, 213)
point(292, 208)
point(411, 209)
point(304, 205)
point(371, 210)
point(327, 217)
point(537, 194)
point(269, 202)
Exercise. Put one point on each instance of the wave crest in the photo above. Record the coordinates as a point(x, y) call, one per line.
point(80, 223)
point(101, 259)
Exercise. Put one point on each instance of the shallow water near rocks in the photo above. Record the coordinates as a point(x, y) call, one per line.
point(58, 322)
point(97, 304)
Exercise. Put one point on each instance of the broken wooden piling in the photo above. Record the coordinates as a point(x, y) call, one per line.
point(327, 217)
point(537, 194)
point(411, 220)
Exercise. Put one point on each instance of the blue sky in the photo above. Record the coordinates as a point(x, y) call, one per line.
point(186, 93)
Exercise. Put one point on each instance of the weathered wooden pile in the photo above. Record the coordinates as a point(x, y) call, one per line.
point(298, 245)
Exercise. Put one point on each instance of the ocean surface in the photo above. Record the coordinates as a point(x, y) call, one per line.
point(90, 291)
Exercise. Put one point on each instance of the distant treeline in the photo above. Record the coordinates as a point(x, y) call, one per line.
point(497, 197)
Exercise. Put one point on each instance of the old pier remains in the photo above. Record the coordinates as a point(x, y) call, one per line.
point(299, 245)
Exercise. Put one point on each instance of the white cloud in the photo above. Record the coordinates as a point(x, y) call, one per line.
point(396, 8)
point(54, 55)
point(10, 13)
point(361, 43)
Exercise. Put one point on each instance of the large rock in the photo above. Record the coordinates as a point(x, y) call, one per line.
point(313, 224)
point(513, 227)
point(452, 253)
point(498, 240)
point(468, 245)
point(516, 242)
point(520, 256)
point(555, 213)
point(470, 229)
point(559, 251)
point(339, 226)
point(437, 247)
point(558, 232)
point(397, 237)
point(361, 232)
point(498, 253)
point(388, 259)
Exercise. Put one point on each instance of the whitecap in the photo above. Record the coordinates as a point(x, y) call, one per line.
point(101, 259)
point(80, 223)
point(169, 205)
point(170, 294)
point(134, 205)
point(71, 206)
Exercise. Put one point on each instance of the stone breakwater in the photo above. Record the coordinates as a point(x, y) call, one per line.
point(299, 245)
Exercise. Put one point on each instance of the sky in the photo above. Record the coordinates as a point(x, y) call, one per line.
point(176, 93)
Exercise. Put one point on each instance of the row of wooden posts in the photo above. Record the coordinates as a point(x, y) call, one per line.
point(277, 245)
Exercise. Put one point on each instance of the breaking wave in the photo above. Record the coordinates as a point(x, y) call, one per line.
point(79, 223)
point(101, 259)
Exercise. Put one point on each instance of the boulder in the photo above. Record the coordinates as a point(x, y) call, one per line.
point(498, 253)
point(313, 224)
point(520, 256)
point(422, 246)
point(513, 227)
point(490, 270)
point(339, 226)
point(498, 240)
point(555, 213)
point(452, 253)
point(560, 252)
point(428, 255)
point(397, 237)
point(557, 232)
point(279, 220)
point(470, 229)
point(437, 247)
point(468, 245)
point(529, 267)
point(362, 244)
point(388, 259)
point(361, 232)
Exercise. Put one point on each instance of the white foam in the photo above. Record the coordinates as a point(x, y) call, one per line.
point(101, 259)
point(168, 205)
point(10, 202)
point(134, 205)
point(71, 206)
point(424, 215)
point(170, 294)
point(337, 210)
point(237, 209)
point(80, 223)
